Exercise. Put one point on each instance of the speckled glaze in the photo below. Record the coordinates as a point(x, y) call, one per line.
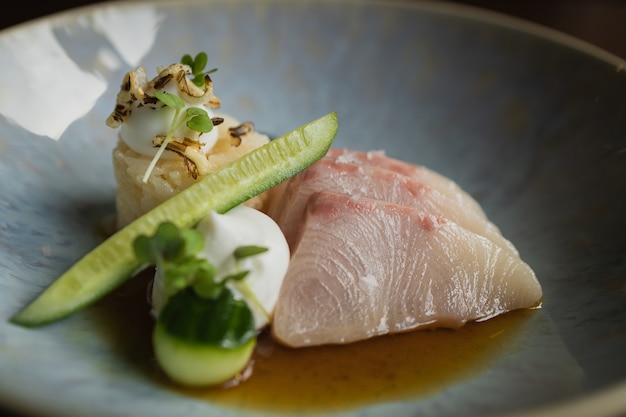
point(531, 122)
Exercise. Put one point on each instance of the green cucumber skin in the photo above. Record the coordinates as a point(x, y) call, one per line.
point(112, 263)
point(223, 321)
point(194, 364)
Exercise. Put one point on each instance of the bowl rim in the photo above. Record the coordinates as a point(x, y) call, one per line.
point(607, 402)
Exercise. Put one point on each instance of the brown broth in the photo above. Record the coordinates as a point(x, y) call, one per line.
point(331, 378)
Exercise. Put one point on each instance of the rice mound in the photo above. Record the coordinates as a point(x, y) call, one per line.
point(170, 175)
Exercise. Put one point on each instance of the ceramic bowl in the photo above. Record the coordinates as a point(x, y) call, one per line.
point(529, 121)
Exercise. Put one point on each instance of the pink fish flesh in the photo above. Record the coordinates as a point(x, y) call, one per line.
point(380, 246)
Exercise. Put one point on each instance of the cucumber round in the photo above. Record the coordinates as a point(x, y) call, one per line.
point(193, 364)
point(204, 341)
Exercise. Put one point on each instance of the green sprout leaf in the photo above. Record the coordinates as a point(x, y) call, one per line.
point(177, 104)
point(224, 321)
point(247, 251)
point(168, 244)
point(239, 276)
point(195, 119)
point(170, 100)
point(197, 65)
point(174, 252)
point(198, 120)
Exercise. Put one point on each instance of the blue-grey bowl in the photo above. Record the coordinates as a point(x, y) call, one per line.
point(530, 121)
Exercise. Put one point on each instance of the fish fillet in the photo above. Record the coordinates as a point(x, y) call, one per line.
point(288, 204)
point(365, 267)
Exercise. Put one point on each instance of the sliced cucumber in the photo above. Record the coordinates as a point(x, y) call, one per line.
point(113, 262)
point(198, 365)
point(204, 341)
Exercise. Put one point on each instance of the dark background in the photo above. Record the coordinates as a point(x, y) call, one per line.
point(599, 22)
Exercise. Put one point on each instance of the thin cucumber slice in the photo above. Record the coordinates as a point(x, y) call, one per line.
point(198, 365)
point(204, 341)
point(113, 262)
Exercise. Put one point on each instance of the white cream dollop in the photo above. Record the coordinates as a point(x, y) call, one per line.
point(147, 122)
point(223, 233)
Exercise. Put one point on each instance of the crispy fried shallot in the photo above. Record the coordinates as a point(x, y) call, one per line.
point(236, 132)
point(137, 91)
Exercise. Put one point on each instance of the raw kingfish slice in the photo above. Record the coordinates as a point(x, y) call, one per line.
point(371, 181)
point(364, 267)
point(419, 173)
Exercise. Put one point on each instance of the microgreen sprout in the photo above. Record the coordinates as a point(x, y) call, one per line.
point(203, 322)
point(174, 251)
point(197, 65)
point(240, 253)
point(249, 250)
point(194, 118)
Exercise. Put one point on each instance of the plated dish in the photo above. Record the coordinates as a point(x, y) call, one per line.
point(509, 127)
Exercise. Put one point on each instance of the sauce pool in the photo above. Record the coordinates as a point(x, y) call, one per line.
point(321, 379)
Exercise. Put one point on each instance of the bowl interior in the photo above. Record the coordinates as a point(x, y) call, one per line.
point(533, 128)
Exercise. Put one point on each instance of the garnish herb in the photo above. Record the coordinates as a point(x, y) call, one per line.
point(194, 118)
point(246, 251)
point(202, 318)
point(223, 321)
point(197, 65)
point(174, 252)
